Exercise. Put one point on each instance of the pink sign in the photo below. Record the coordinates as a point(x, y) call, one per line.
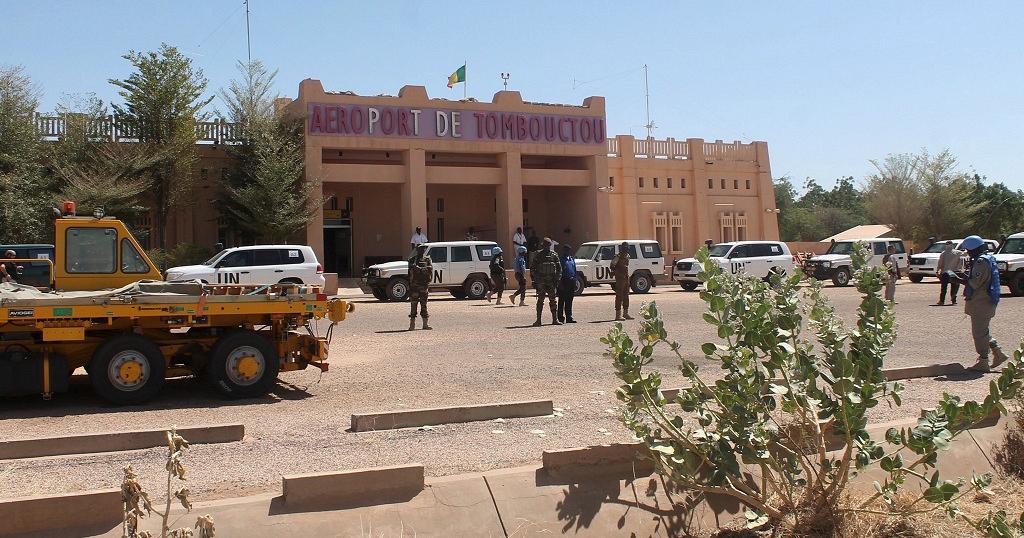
point(437, 123)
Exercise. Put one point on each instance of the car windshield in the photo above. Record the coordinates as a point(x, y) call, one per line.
point(939, 247)
point(719, 251)
point(214, 259)
point(1013, 246)
point(841, 247)
point(586, 252)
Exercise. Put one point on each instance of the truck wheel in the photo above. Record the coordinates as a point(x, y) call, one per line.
point(580, 286)
point(398, 289)
point(640, 283)
point(243, 364)
point(842, 277)
point(689, 286)
point(1017, 284)
point(916, 279)
point(127, 369)
point(380, 294)
point(458, 293)
point(476, 287)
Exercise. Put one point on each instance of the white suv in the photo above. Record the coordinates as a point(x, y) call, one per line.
point(259, 264)
point(837, 264)
point(924, 263)
point(1010, 260)
point(759, 259)
point(461, 267)
point(593, 264)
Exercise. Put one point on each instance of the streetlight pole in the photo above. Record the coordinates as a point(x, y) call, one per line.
point(504, 78)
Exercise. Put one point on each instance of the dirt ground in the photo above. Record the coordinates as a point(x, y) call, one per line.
point(478, 353)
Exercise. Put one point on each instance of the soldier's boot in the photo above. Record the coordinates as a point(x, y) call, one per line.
point(498, 301)
point(625, 314)
point(426, 326)
point(489, 296)
point(412, 324)
point(554, 317)
point(997, 352)
point(540, 309)
point(982, 365)
point(522, 300)
point(618, 315)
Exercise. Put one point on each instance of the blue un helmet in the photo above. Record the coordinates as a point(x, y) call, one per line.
point(521, 249)
point(495, 251)
point(972, 242)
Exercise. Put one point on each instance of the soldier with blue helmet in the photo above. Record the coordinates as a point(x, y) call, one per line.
point(519, 267)
point(981, 297)
point(497, 271)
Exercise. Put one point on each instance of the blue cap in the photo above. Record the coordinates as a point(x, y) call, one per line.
point(972, 242)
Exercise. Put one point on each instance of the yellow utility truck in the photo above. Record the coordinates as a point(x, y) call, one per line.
point(132, 336)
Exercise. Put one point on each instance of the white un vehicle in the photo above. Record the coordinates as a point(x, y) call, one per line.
point(461, 267)
point(759, 259)
point(1010, 260)
point(923, 264)
point(593, 264)
point(837, 264)
point(258, 264)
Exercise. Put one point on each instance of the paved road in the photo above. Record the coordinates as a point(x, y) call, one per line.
point(477, 353)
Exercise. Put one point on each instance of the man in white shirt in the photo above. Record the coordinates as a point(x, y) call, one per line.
point(418, 238)
point(518, 239)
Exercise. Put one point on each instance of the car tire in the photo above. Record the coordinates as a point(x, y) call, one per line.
point(773, 272)
point(398, 289)
point(379, 294)
point(127, 369)
point(243, 364)
point(1017, 284)
point(916, 279)
point(458, 293)
point(689, 286)
point(580, 286)
point(641, 282)
point(476, 287)
point(841, 278)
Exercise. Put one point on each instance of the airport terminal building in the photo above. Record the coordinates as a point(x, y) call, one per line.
point(389, 164)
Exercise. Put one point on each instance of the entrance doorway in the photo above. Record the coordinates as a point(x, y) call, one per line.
point(338, 248)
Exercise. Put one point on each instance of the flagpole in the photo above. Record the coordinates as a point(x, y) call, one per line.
point(465, 83)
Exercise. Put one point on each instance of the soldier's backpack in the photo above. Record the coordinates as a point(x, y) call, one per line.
point(546, 267)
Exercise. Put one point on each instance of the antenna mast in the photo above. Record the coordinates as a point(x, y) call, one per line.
point(248, 44)
point(647, 102)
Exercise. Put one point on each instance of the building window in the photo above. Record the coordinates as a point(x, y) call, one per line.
point(748, 184)
point(711, 183)
point(655, 183)
point(735, 184)
point(723, 183)
point(611, 181)
point(439, 235)
point(669, 183)
point(733, 226)
point(682, 183)
point(640, 182)
point(440, 205)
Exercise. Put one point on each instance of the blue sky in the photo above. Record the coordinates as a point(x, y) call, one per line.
point(829, 85)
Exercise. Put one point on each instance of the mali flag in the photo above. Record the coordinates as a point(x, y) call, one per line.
point(458, 76)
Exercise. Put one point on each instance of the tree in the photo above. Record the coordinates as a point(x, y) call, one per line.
point(266, 195)
point(1000, 211)
point(26, 192)
point(948, 207)
point(163, 99)
point(893, 194)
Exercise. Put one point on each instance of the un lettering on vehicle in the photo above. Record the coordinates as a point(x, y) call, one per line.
point(604, 273)
point(736, 267)
point(228, 278)
point(438, 276)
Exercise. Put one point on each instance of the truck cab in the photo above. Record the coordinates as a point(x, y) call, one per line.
point(97, 252)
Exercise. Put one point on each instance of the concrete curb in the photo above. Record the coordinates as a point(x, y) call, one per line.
point(358, 486)
point(408, 418)
point(87, 510)
point(620, 459)
point(115, 441)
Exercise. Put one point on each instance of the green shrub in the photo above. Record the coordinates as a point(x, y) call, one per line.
point(762, 433)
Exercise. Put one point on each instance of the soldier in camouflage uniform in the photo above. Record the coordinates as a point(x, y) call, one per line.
point(420, 271)
point(620, 268)
point(546, 270)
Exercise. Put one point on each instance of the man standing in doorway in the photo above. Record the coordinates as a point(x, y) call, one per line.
point(950, 263)
point(981, 296)
point(520, 272)
point(532, 246)
point(420, 271)
point(418, 238)
point(518, 239)
point(567, 286)
point(620, 268)
point(546, 271)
